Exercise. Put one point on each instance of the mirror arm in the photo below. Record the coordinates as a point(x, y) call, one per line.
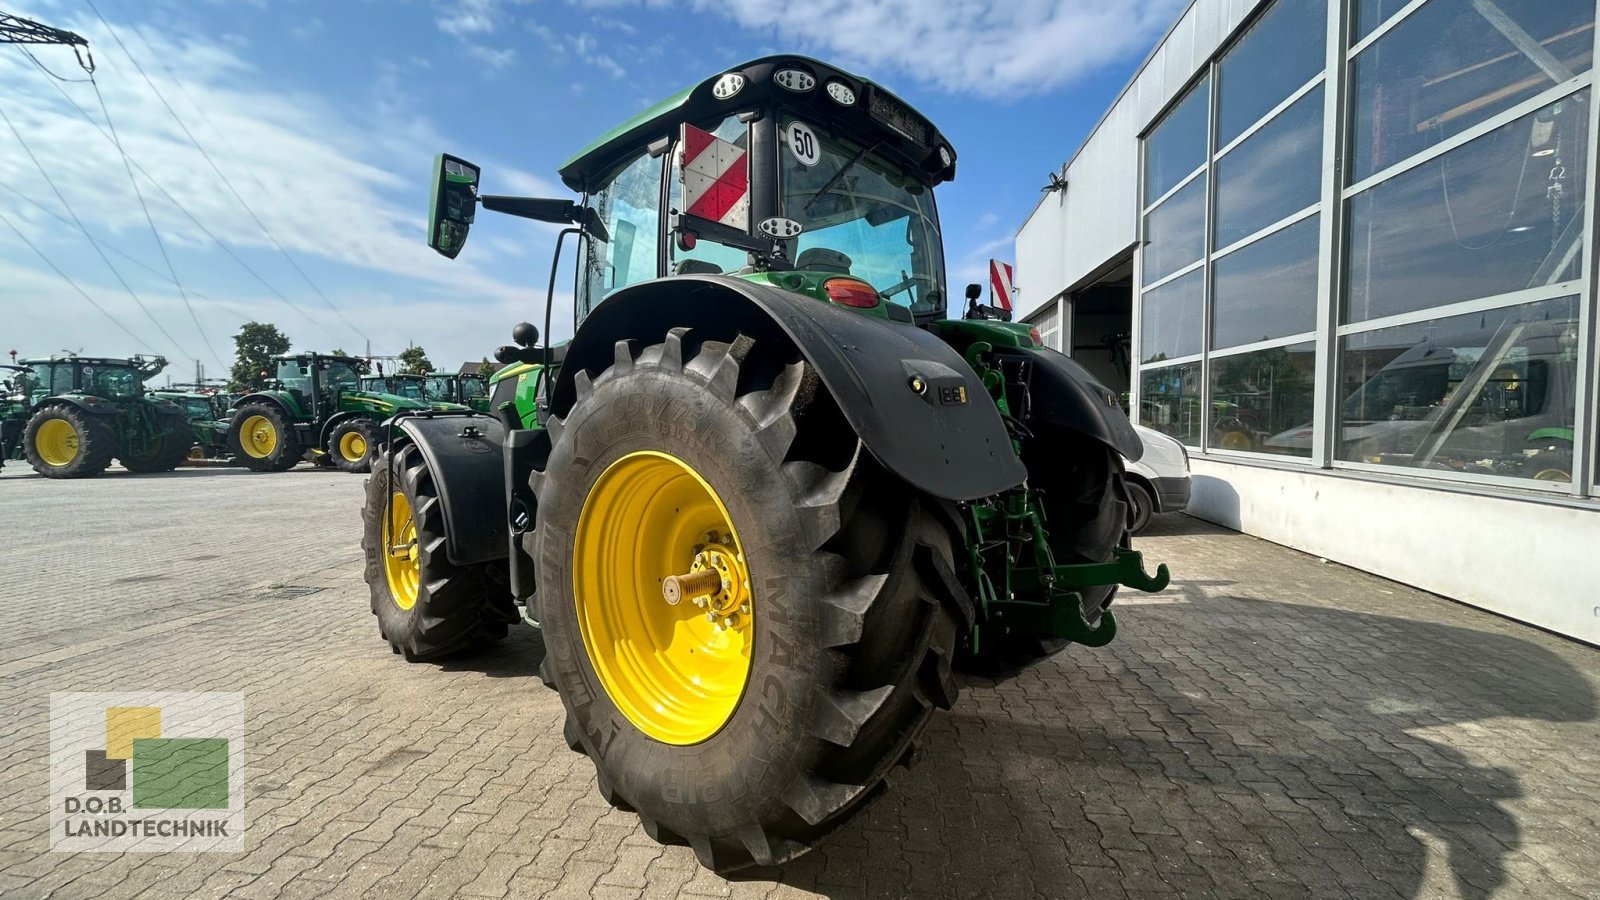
point(561, 212)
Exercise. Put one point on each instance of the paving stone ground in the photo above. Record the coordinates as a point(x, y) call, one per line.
point(1270, 725)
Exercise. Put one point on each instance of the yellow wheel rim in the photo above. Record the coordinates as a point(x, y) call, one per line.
point(353, 447)
point(401, 565)
point(1235, 440)
point(675, 669)
point(258, 436)
point(1559, 475)
point(56, 442)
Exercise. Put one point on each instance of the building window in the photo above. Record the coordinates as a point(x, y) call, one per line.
point(1485, 393)
point(1172, 322)
point(1169, 401)
point(1282, 49)
point(1261, 400)
point(1175, 232)
point(1272, 174)
point(1266, 289)
point(1502, 213)
point(1452, 64)
point(1176, 148)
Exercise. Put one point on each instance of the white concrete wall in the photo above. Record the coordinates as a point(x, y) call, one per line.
point(1530, 561)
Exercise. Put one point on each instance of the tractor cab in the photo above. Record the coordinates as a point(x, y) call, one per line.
point(107, 379)
point(467, 389)
point(316, 381)
point(411, 387)
point(784, 171)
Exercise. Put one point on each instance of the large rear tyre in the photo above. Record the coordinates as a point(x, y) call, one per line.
point(426, 606)
point(752, 716)
point(170, 452)
point(262, 439)
point(353, 445)
point(1084, 492)
point(63, 441)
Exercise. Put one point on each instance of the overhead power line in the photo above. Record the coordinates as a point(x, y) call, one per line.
point(81, 292)
point(171, 198)
point(224, 178)
point(149, 220)
point(243, 315)
point(84, 229)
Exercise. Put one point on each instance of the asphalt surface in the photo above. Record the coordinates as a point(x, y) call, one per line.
point(1270, 725)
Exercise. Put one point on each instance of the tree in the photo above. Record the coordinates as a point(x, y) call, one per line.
point(414, 361)
point(488, 367)
point(254, 347)
point(339, 352)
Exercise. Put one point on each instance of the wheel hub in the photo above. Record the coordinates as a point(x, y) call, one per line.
point(402, 566)
point(258, 437)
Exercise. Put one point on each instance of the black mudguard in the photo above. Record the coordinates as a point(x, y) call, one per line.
point(1062, 393)
point(947, 441)
point(464, 452)
point(94, 406)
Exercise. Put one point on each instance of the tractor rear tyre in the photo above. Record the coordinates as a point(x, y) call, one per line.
point(748, 620)
point(170, 452)
point(1084, 491)
point(353, 445)
point(63, 441)
point(262, 439)
point(426, 606)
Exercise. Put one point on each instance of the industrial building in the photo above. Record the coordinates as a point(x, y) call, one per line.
point(1344, 251)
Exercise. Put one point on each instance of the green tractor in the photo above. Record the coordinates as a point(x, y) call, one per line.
point(79, 413)
point(411, 387)
point(208, 421)
point(769, 497)
point(316, 405)
point(15, 386)
point(468, 389)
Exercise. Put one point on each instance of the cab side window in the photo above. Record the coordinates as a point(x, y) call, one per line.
point(630, 206)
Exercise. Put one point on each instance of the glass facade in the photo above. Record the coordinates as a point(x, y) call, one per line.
point(1424, 252)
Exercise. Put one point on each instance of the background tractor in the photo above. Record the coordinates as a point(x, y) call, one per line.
point(769, 496)
point(208, 421)
point(412, 387)
point(315, 405)
point(469, 390)
point(83, 412)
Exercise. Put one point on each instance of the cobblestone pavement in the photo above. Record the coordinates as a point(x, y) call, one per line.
point(1270, 725)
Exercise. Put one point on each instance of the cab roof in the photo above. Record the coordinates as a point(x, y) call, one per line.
point(697, 104)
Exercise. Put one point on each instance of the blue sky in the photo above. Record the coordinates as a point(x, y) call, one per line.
point(324, 118)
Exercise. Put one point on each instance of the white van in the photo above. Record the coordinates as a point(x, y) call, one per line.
point(1159, 481)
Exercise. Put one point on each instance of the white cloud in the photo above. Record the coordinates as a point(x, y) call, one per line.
point(495, 59)
point(963, 46)
point(466, 17)
point(340, 187)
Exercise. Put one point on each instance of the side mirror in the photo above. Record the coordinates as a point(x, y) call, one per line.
point(455, 200)
point(525, 334)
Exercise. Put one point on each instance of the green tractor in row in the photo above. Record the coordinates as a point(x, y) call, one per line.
point(317, 405)
point(770, 497)
point(79, 413)
point(468, 389)
point(413, 387)
point(208, 421)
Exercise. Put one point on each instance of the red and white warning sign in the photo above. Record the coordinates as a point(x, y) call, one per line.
point(1001, 286)
point(716, 179)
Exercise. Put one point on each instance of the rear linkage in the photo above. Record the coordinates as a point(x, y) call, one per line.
point(1001, 527)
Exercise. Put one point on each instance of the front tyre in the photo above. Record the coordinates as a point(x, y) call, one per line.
point(65, 442)
point(353, 445)
point(748, 621)
point(170, 451)
point(262, 439)
point(426, 606)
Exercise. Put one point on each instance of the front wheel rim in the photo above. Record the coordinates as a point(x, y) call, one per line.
point(353, 447)
point(675, 668)
point(258, 437)
point(57, 442)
